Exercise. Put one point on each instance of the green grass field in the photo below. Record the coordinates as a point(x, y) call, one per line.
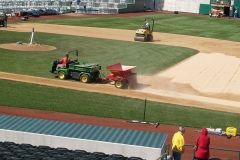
point(85, 103)
point(202, 26)
point(148, 58)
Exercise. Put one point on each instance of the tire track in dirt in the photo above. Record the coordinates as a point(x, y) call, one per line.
point(161, 96)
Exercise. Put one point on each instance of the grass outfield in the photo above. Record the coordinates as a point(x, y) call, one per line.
point(148, 58)
point(202, 26)
point(63, 100)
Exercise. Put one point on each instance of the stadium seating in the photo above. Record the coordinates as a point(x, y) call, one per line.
point(13, 151)
point(102, 6)
point(57, 138)
point(83, 6)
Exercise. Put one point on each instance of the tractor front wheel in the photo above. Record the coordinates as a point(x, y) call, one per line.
point(61, 75)
point(84, 78)
point(119, 84)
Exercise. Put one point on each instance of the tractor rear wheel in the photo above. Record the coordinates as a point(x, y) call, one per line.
point(84, 78)
point(61, 75)
point(119, 84)
point(150, 38)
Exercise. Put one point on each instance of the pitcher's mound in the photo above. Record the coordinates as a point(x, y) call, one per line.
point(27, 47)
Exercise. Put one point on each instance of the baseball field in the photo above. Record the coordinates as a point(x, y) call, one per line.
point(189, 74)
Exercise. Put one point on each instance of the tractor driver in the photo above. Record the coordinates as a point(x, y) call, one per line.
point(146, 25)
point(63, 62)
point(60, 63)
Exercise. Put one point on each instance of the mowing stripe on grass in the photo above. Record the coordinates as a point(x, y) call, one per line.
point(44, 98)
point(202, 26)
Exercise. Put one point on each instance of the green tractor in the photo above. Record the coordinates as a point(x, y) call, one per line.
point(86, 73)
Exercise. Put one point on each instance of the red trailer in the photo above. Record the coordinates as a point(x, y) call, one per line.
point(120, 74)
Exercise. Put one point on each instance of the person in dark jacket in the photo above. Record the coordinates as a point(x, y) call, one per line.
point(5, 19)
point(202, 146)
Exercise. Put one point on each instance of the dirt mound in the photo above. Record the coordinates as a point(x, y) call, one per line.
point(27, 47)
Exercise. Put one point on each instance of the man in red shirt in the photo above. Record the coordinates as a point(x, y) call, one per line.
point(63, 62)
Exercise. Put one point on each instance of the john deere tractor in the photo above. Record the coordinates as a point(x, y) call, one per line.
point(145, 34)
point(75, 70)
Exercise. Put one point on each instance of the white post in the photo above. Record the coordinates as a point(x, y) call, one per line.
point(32, 37)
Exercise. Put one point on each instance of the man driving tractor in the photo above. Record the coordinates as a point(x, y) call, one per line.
point(145, 33)
point(62, 63)
point(146, 24)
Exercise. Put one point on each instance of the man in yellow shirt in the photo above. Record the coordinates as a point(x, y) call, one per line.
point(178, 143)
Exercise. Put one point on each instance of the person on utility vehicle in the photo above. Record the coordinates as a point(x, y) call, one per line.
point(146, 25)
point(61, 63)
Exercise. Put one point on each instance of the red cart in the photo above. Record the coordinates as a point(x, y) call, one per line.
point(121, 74)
